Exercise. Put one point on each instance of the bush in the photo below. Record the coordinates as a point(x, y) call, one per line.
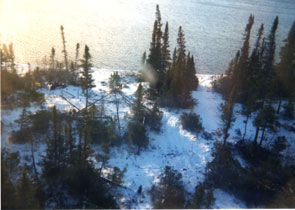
point(22, 136)
point(137, 135)
point(154, 118)
point(191, 122)
point(202, 198)
point(103, 133)
point(258, 183)
point(289, 110)
point(170, 193)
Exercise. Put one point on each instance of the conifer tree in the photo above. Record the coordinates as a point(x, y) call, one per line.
point(86, 80)
point(286, 68)
point(64, 47)
point(77, 55)
point(266, 78)
point(138, 107)
point(251, 92)
point(52, 58)
point(143, 58)
point(268, 60)
point(137, 133)
point(227, 116)
point(165, 49)
point(26, 193)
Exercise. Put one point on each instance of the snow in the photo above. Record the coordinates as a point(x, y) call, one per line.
point(184, 151)
point(226, 201)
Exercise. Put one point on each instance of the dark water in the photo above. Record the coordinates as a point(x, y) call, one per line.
point(119, 31)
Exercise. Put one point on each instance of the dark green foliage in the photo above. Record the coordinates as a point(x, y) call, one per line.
point(26, 197)
point(7, 189)
point(114, 82)
point(88, 189)
point(117, 175)
point(180, 78)
point(102, 133)
point(169, 193)
point(154, 118)
point(137, 135)
point(202, 198)
point(266, 119)
point(138, 109)
point(191, 122)
point(68, 172)
point(286, 70)
point(23, 195)
point(289, 110)
point(86, 80)
point(166, 58)
point(256, 184)
point(227, 116)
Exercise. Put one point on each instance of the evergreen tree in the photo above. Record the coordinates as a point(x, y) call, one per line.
point(170, 193)
point(154, 60)
point(227, 116)
point(86, 81)
point(137, 133)
point(268, 61)
point(266, 76)
point(165, 49)
point(202, 198)
point(77, 55)
point(64, 47)
point(266, 119)
point(26, 194)
point(252, 93)
point(143, 58)
point(154, 118)
point(7, 188)
point(138, 106)
point(180, 78)
point(52, 58)
point(286, 69)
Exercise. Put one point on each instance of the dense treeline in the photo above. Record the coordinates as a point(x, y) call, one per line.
point(171, 79)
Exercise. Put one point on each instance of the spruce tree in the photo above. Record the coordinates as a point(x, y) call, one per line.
point(64, 47)
point(86, 80)
point(165, 49)
point(251, 92)
point(26, 193)
point(286, 69)
point(52, 58)
point(227, 116)
point(266, 77)
point(138, 107)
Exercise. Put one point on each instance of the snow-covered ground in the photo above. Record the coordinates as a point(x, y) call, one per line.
point(173, 146)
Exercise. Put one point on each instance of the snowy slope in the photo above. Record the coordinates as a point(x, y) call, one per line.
point(175, 147)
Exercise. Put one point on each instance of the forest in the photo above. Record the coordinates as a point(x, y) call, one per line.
point(74, 136)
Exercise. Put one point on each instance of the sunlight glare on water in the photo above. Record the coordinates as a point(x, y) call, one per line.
point(119, 31)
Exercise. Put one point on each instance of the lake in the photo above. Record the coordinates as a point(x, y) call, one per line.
point(119, 31)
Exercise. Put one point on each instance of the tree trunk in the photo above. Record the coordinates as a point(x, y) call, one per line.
point(262, 136)
point(246, 124)
point(256, 135)
point(117, 107)
point(33, 161)
point(279, 106)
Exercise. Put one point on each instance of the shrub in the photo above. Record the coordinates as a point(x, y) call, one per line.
point(202, 198)
point(137, 135)
point(170, 193)
point(154, 118)
point(191, 122)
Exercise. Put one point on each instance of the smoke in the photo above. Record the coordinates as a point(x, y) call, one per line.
point(149, 74)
